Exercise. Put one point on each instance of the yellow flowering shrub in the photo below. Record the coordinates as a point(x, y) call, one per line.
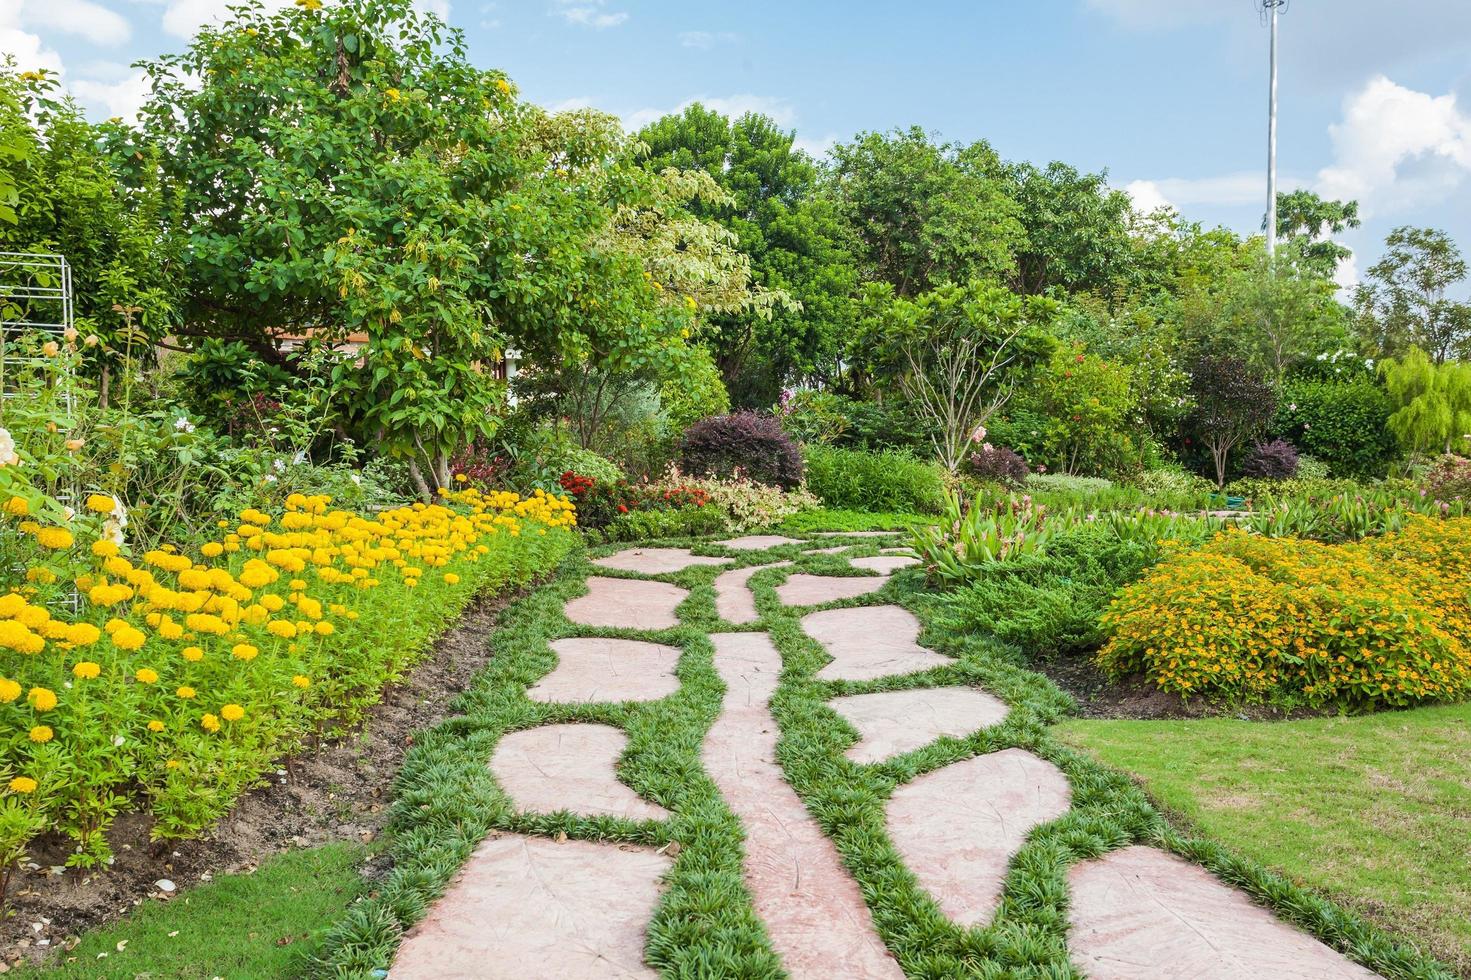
point(189, 671)
point(1383, 621)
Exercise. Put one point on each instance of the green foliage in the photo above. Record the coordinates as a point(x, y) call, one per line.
point(874, 481)
point(649, 525)
point(969, 539)
point(1306, 221)
point(1077, 230)
point(1431, 402)
point(697, 392)
point(1233, 404)
point(1076, 415)
point(1172, 482)
point(1402, 303)
point(1449, 479)
point(1344, 423)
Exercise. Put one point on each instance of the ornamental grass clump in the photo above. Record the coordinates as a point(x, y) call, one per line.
point(967, 540)
point(188, 672)
point(1382, 622)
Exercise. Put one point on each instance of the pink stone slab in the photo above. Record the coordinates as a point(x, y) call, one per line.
point(656, 561)
point(813, 910)
point(734, 602)
point(627, 603)
point(894, 722)
point(813, 590)
point(827, 551)
point(1142, 913)
point(856, 534)
point(884, 564)
point(957, 828)
point(592, 669)
point(757, 542)
point(569, 767)
point(869, 642)
point(528, 908)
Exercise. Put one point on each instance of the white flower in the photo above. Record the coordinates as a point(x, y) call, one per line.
point(1292, 407)
point(279, 466)
point(67, 513)
point(7, 449)
point(118, 740)
point(183, 425)
point(357, 479)
point(270, 478)
point(112, 529)
point(299, 458)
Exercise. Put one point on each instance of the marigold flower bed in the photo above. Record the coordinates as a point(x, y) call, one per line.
point(1384, 621)
point(185, 677)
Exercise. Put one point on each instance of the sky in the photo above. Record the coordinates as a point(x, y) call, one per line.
point(1168, 96)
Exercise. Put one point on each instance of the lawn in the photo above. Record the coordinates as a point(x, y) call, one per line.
point(264, 924)
point(1372, 811)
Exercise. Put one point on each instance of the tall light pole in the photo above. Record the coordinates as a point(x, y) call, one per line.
point(1270, 10)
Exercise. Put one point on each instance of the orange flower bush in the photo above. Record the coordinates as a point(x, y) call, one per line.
point(1385, 621)
point(186, 674)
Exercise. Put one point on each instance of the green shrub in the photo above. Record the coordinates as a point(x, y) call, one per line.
point(1083, 486)
point(1174, 482)
point(1449, 479)
point(696, 393)
point(683, 522)
point(887, 480)
point(1342, 423)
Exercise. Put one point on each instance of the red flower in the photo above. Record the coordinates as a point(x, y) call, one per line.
point(622, 508)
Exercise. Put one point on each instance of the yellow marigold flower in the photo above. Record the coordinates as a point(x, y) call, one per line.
point(17, 507)
point(302, 681)
point(192, 654)
point(9, 690)
point(281, 628)
point(324, 628)
point(55, 538)
point(129, 638)
point(209, 723)
point(244, 651)
point(42, 698)
point(186, 692)
point(87, 670)
point(101, 503)
point(450, 578)
point(41, 734)
point(146, 675)
point(212, 550)
point(232, 712)
point(104, 548)
point(155, 725)
point(22, 784)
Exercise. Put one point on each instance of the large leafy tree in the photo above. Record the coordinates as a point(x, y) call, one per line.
point(791, 234)
point(1404, 299)
point(926, 213)
point(345, 170)
point(1309, 221)
point(1078, 230)
point(1233, 403)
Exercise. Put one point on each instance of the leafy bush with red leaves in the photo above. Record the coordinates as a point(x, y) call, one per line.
point(1449, 478)
point(745, 444)
point(481, 468)
point(1275, 460)
point(997, 464)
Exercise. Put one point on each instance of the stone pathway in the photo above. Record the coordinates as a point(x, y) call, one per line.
point(533, 907)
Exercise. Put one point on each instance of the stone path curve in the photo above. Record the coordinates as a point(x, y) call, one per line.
point(531, 907)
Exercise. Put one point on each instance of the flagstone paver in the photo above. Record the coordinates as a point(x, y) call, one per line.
point(592, 669)
point(627, 603)
point(813, 910)
point(884, 564)
point(569, 767)
point(870, 642)
point(734, 601)
point(856, 534)
point(957, 828)
point(656, 561)
point(528, 908)
point(757, 542)
point(814, 590)
point(891, 723)
point(828, 551)
point(1141, 913)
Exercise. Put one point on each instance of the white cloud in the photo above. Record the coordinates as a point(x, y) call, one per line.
point(1147, 196)
point(121, 98)
point(705, 40)
point(816, 148)
point(588, 13)
point(184, 18)
point(1396, 148)
point(29, 52)
point(1152, 13)
point(83, 18)
point(1228, 190)
point(782, 112)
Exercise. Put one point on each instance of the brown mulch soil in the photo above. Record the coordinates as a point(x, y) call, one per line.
point(339, 792)
point(1099, 696)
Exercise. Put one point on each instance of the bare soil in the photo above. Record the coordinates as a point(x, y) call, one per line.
point(1100, 696)
point(338, 792)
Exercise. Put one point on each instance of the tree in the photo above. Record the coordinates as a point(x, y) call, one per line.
point(1077, 229)
point(792, 235)
point(956, 353)
point(1306, 220)
point(1403, 301)
point(1432, 402)
point(925, 213)
point(1233, 403)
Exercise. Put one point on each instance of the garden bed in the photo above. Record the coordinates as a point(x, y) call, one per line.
point(339, 792)
point(1136, 697)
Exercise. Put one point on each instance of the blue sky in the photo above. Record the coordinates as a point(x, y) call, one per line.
point(1169, 96)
